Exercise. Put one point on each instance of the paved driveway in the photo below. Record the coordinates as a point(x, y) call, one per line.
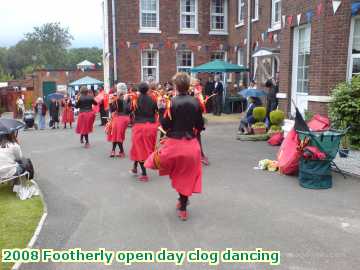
point(93, 203)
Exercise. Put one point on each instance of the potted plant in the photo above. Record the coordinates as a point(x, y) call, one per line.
point(259, 113)
point(276, 118)
point(344, 147)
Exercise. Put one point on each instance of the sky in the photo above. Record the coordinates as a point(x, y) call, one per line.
point(82, 17)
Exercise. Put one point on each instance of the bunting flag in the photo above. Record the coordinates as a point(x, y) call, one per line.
point(151, 46)
point(128, 43)
point(319, 9)
point(298, 17)
point(309, 16)
point(263, 37)
point(221, 47)
point(199, 48)
point(134, 45)
point(283, 20)
point(143, 45)
point(168, 44)
point(161, 45)
point(290, 20)
point(182, 46)
point(122, 44)
point(271, 36)
point(276, 38)
point(336, 4)
point(235, 48)
point(176, 45)
point(245, 41)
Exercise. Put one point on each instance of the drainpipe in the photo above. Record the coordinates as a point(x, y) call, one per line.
point(249, 42)
point(113, 18)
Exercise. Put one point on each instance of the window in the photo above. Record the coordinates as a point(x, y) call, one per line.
point(149, 16)
point(184, 61)
point(218, 17)
point(276, 14)
point(241, 61)
point(241, 12)
point(150, 65)
point(354, 65)
point(188, 16)
point(255, 10)
point(303, 60)
point(219, 55)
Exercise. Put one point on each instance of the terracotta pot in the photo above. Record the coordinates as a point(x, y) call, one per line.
point(259, 130)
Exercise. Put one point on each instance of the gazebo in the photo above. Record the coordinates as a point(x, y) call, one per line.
point(85, 65)
point(219, 66)
point(89, 82)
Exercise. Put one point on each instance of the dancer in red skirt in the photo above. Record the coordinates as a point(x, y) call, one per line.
point(119, 122)
point(86, 116)
point(68, 114)
point(179, 155)
point(144, 130)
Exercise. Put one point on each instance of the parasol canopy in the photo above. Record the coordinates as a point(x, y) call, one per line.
point(8, 126)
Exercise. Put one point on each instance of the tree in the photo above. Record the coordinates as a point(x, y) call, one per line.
point(49, 43)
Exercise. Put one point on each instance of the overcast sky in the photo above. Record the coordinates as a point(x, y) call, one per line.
point(83, 17)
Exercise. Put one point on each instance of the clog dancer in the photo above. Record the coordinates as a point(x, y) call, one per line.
point(86, 116)
point(68, 114)
point(144, 130)
point(119, 122)
point(179, 155)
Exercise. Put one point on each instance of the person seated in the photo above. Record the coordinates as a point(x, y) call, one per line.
point(10, 155)
point(248, 120)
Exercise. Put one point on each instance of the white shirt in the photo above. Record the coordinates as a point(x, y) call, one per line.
point(20, 104)
point(8, 157)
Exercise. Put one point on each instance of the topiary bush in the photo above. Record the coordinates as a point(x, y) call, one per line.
point(277, 117)
point(344, 108)
point(275, 128)
point(259, 113)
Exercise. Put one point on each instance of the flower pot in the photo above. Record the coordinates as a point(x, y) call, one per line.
point(258, 131)
point(344, 153)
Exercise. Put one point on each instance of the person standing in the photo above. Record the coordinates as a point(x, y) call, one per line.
point(218, 99)
point(86, 117)
point(20, 107)
point(144, 130)
point(103, 107)
point(180, 153)
point(271, 101)
point(54, 111)
point(119, 122)
point(209, 90)
point(68, 113)
point(40, 111)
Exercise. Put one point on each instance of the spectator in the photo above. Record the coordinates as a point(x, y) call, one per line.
point(218, 99)
point(54, 111)
point(272, 101)
point(10, 153)
point(209, 89)
point(40, 111)
point(20, 107)
point(248, 120)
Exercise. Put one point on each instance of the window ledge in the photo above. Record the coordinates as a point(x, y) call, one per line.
point(255, 20)
point(240, 24)
point(188, 32)
point(274, 28)
point(219, 33)
point(149, 31)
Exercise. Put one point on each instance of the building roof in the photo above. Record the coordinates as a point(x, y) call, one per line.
point(86, 63)
point(86, 81)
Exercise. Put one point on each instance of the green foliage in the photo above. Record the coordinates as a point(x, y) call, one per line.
point(4, 77)
point(308, 115)
point(259, 114)
point(275, 128)
point(277, 117)
point(344, 108)
point(259, 125)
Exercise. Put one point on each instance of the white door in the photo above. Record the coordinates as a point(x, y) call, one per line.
point(300, 69)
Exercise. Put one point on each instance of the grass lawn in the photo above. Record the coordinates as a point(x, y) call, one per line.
point(18, 220)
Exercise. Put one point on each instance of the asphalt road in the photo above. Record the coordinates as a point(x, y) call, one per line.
point(94, 203)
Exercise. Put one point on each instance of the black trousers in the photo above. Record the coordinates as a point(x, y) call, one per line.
point(103, 116)
point(217, 105)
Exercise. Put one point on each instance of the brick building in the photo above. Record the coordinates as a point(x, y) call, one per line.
point(311, 44)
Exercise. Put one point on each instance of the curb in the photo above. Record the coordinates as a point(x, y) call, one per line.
point(38, 228)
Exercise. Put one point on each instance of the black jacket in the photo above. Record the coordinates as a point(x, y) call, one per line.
point(119, 106)
point(54, 109)
point(146, 109)
point(218, 89)
point(186, 116)
point(85, 103)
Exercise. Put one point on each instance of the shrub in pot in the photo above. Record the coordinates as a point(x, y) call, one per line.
point(277, 117)
point(259, 113)
point(344, 147)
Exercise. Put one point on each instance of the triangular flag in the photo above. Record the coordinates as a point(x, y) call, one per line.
point(271, 35)
point(176, 45)
point(289, 20)
point(151, 46)
point(262, 36)
point(336, 5)
point(128, 43)
point(245, 41)
point(309, 16)
point(235, 48)
point(319, 9)
point(161, 45)
point(298, 19)
point(221, 47)
point(284, 20)
point(199, 48)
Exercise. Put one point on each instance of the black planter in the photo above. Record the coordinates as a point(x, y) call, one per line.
point(344, 153)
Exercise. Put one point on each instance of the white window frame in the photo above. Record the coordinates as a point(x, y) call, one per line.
point(275, 25)
point(152, 30)
point(196, 14)
point(184, 67)
point(225, 14)
point(256, 11)
point(156, 67)
point(241, 7)
point(351, 56)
